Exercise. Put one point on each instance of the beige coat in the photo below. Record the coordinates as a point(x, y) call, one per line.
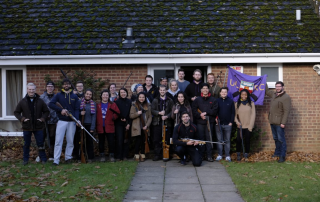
point(247, 115)
point(136, 126)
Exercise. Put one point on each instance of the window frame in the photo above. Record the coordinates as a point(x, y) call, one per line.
point(4, 69)
point(280, 72)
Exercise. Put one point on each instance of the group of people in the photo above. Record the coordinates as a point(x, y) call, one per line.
point(189, 113)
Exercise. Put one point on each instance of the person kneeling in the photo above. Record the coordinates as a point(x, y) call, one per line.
point(186, 129)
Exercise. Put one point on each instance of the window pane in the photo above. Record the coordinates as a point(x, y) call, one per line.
point(0, 94)
point(14, 90)
point(272, 72)
point(162, 73)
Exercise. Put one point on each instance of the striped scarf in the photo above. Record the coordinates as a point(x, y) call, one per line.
point(83, 105)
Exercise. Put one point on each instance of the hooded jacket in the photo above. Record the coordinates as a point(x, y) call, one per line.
point(40, 111)
point(68, 101)
point(192, 90)
point(153, 92)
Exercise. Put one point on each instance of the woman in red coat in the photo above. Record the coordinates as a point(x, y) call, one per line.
point(107, 113)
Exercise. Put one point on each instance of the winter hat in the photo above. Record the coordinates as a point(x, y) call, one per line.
point(136, 87)
point(50, 83)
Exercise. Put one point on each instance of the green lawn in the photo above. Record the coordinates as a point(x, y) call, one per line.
point(66, 182)
point(273, 181)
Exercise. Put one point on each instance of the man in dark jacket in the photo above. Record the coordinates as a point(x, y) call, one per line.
point(52, 120)
point(66, 125)
point(226, 112)
point(150, 88)
point(278, 116)
point(161, 110)
point(32, 112)
point(204, 108)
point(186, 129)
point(193, 90)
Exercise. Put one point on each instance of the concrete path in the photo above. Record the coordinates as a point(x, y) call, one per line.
point(157, 181)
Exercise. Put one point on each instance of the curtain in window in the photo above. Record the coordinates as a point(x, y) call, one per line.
point(0, 94)
point(14, 90)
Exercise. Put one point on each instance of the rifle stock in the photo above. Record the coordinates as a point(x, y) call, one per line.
point(83, 159)
point(165, 147)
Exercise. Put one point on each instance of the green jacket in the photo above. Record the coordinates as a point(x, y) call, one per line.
point(279, 107)
point(216, 92)
point(156, 119)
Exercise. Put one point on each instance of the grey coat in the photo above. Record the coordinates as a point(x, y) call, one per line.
point(53, 118)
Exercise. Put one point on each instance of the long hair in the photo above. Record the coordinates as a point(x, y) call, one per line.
point(248, 98)
point(145, 102)
point(186, 102)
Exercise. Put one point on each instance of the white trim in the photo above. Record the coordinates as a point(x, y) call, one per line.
point(152, 67)
point(280, 72)
point(4, 88)
point(162, 59)
point(11, 134)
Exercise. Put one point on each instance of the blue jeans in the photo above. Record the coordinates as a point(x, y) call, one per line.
point(224, 135)
point(39, 140)
point(279, 139)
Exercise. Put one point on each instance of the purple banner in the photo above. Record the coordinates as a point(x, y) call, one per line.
point(255, 84)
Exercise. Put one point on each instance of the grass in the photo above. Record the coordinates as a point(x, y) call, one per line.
point(66, 182)
point(273, 181)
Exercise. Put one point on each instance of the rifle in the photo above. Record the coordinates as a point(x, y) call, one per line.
point(176, 116)
point(127, 80)
point(143, 123)
point(83, 159)
point(65, 76)
point(165, 147)
point(241, 133)
point(126, 135)
point(77, 121)
point(201, 142)
point(208, 126)
point(47, 132)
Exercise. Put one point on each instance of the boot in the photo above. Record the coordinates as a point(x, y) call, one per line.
point(102, 157)
point(136, 157)
point(238, 156)
point(246, 156)
point(142, 157)
point(111, 155)
point(282, 159)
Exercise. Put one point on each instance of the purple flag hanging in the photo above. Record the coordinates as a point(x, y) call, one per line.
point(255, 84)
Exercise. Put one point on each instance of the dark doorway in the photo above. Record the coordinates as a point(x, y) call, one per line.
point(189, 72)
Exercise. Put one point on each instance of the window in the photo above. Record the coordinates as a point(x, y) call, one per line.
point(12, 91)
point(274, 72)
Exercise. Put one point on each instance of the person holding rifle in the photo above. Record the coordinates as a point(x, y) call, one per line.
point(52, 119)
point(107, 113)
point(205, 110)
point(224, 121)
point(140, 114)
point(161, 110)
point(122, 125)
point(32, 112)
point(65, 125)
point(181, 105)
point(88, 110)
point(187, 129)
point(246, 111)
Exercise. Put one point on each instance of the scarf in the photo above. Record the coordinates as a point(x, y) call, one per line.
point(244, 102)
point(162, 103)
point(83, 105)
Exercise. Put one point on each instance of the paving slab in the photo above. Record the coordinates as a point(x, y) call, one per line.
point(169, 181)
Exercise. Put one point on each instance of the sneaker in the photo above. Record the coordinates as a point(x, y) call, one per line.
point(25, 163)
point(102, 157)
point(209, 159)
point(136, 157)
point(228, 158)
point(55, 164)
point(183, 162)
point(218, 158)
point(50, 159)
point(38, 159)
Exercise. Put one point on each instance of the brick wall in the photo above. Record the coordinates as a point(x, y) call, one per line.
point(115, 73)
point(302, 83)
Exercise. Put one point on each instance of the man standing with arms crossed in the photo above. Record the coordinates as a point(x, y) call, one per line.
point(66, 125)
point(278, 116)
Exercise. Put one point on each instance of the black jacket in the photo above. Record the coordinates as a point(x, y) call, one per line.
point(181, 131)
point(124, 106)
point(40, 111)
point(156, 119)
point(192, 90)
point(205, 104)
point(226, 110)
point(153, 92)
